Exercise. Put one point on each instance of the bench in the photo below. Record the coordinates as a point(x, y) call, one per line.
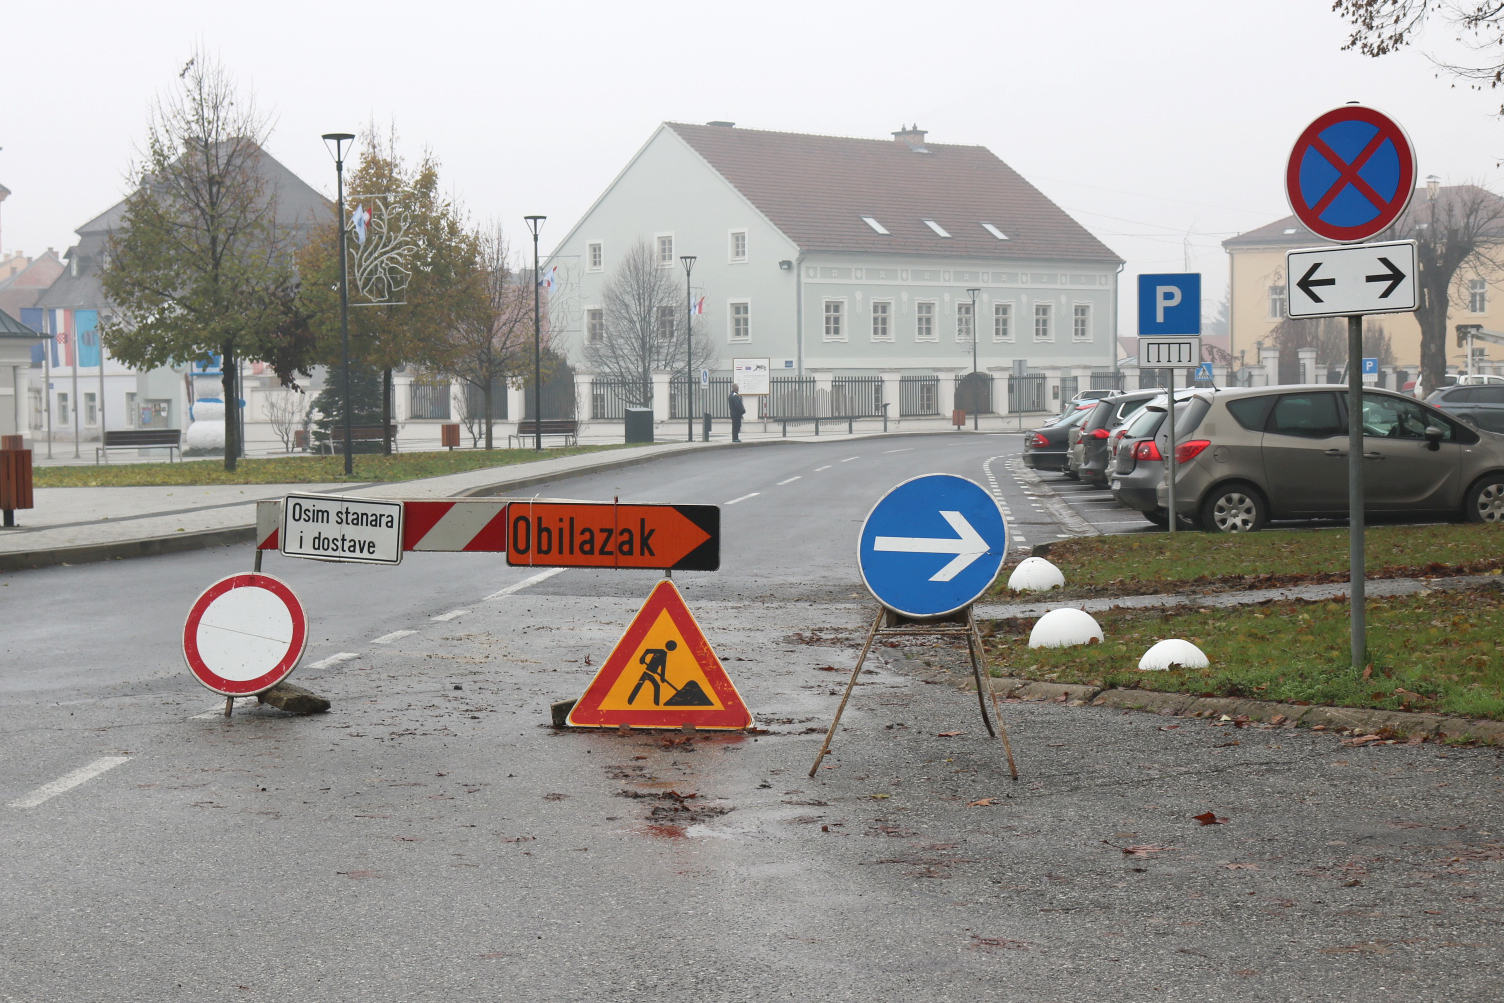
point(360, 433)
point(529, 429)
point(141, 438)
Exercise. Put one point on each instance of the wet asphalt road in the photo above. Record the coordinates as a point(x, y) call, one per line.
point(432, 838)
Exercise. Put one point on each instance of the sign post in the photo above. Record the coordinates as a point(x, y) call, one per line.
point(1350, 175)
point(1169, 329)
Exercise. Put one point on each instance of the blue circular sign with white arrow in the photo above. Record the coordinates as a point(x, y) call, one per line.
point(932, 545)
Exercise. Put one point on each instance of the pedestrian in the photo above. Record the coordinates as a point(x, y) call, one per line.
point(737, 408)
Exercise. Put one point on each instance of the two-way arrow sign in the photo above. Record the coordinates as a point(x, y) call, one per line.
point(1356, 279)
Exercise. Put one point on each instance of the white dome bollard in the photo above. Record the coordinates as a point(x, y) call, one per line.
point(1062, 628)
point(1170, 653)
point(1035, 574)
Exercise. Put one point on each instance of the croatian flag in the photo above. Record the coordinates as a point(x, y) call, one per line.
point(549, 278)
point(359, 220)
point(697, 306)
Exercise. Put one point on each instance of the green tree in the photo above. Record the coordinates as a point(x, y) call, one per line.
point(440, 264)
point(202, 263)
point(490, 341)
point(365, 400)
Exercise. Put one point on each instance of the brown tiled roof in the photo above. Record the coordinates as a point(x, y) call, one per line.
point(1459, 199)
point(816, 189)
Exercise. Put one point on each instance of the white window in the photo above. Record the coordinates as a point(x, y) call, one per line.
point(91, 409)
point(835, 314)
point(924, 321)
point(1042, 322)
point(738, 245)
point(882, 317)
point(1002, 322)
point(665, 326)
point(741, 321)
point(1081, 322)
point(1277, 303)
point(939, 230)
point(666, 250)
point(965, 328)
point(1000, 235)
point(595, 257)
point(62, 407)
point(1477, 296)
point(595, 325)
point(876, 226)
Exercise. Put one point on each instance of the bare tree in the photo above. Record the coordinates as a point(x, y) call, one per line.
point(1384, 26)
point(488, 341)
point(287, 411)
point(645, 329)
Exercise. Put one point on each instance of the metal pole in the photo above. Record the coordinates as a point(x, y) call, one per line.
point(73, 344)
point(689, 354)
point(534, 222)
point(344, 311)
point(976, 334)
point(102, 425)
point(1355, 488)
point(47, 374)
point(1170, 457)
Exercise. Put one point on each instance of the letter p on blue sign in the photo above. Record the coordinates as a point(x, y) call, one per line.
point(1169, 304)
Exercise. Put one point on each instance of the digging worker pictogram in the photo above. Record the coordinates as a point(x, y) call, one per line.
point(655, 674)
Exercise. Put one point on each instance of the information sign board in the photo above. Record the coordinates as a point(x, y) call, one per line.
point(338, 528)
point(750, 376)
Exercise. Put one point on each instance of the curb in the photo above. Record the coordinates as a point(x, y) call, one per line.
point(1057, 506)
point(115, 550)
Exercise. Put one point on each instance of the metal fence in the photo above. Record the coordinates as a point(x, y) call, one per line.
point(558, 395)
point(855, 397)
point(475, 401)
point(1153, 379)
point(974, 393)
point(428, 400)
point(716, 399)
point(1026, 393)
point(1069, 387)
point(790, 397)
point(918, 395)
point(611, 396)
point(1107, 381)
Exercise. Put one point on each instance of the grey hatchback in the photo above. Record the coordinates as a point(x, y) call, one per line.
point(1479, 405)
point(1256, 453)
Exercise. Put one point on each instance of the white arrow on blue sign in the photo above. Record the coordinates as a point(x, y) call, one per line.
point(932, 545)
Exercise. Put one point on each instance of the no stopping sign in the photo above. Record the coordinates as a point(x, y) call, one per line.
point(244, 635)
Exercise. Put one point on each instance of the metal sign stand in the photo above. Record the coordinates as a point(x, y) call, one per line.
point(959, 624)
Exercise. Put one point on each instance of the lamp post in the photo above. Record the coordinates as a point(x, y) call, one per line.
point(975, 380)
point(339, 139)
point(689, 344)
point(535, 223)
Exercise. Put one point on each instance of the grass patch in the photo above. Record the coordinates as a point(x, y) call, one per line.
point(1441, 652)
point(295, 469)
point(1141, 564)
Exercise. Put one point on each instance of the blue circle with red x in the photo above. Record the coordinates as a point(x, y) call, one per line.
point(1351, 174)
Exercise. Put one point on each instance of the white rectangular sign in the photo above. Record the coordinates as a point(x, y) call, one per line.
point(750, 376)
point(335, 528)
point(1169, 351)
point(1352, 280)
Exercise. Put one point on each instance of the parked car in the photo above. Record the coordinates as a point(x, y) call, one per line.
point(1085, 397)
point(1093, 454)
point(1250, 454)
point(1480, 405)
point(1138, 468)
point(1044, 448)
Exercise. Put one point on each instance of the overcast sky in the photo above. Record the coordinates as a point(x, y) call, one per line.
point(1162, 126)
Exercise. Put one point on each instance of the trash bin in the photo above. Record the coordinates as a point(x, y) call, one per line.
point(639, 424)
point(705, 435)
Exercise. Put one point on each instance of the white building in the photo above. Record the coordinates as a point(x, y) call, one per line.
point(836, 257)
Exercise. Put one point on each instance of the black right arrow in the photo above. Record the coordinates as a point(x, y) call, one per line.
point(1306, 282)
point(1394, 277)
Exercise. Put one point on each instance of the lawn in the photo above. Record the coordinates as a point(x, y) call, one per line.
point(1437, 651)
point(1140, 564)
point(295, 469)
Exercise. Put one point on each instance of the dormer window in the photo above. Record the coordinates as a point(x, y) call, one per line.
point(939, 230)
point(876, 226)
point(1000, 235)
point(1290, 229)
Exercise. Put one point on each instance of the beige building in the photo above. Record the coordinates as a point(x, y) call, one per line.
point(1260, 295)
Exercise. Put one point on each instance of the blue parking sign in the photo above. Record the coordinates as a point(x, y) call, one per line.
point(1370, 367)
point(1169, 304)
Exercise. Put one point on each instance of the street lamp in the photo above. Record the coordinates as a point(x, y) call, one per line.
point(339, 139)
point(975, 380)
point(535, 223)
point(689, 344)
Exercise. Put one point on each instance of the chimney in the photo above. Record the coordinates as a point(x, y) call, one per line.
point(912, 136)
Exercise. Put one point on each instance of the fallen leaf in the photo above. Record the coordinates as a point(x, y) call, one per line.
point(950, 734)
point(1168, 727)
point(555, 797)
point(519, 839)
point(1210, 818)
point(826, 668)
point(1241, 867)
point(1143, 850)
point(983, 803)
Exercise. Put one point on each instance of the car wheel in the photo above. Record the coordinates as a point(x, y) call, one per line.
point(1159, 517)
point(1485, 500)
point(1233, 508)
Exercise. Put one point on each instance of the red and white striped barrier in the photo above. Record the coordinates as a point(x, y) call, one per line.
point(477, 525)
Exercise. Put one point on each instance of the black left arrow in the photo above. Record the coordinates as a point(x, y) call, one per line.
point(1394, 277)
point(1306, 282)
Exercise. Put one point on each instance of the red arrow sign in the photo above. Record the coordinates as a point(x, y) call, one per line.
point(603, 535)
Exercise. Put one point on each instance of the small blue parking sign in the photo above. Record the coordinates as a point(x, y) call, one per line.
point(1169, 304)
point(932, 545)
point(1370, 367)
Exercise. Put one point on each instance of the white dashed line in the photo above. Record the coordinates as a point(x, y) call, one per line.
point(789, 481)
point(826, 467)
point(742, 498)
point(394, 635)
point(324, 663)
point(903, 450)
point(450, 615)
point(850, 458)
point(68, 782)
point(541, 576)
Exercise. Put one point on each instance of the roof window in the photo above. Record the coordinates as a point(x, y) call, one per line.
point(939, 230)
point(1291, 229)
point(876, 226)
point(1000, 235)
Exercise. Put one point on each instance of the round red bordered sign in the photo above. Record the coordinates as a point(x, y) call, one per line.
point(244, 635)
point(1351, 174)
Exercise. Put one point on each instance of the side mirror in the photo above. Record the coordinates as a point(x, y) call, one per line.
point(1434, 435)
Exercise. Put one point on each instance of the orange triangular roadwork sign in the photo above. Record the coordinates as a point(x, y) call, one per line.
point(662, 674)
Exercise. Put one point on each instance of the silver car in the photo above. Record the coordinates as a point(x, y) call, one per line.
point(1244, 456)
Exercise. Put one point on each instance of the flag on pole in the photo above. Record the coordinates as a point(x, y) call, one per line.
point(697, 306)
point(360, 218)
point(549, 278)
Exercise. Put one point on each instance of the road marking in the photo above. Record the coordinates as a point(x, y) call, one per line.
point(903, 450)
point(450, 615)
point(850, 458)
point(539, 577)
point(68, 782)
point(826, 467)
point(343, 656)
point(394, 635)
point(743, 498)
point(789, 481)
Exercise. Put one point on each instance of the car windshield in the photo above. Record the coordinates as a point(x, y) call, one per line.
point(1148, 418)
